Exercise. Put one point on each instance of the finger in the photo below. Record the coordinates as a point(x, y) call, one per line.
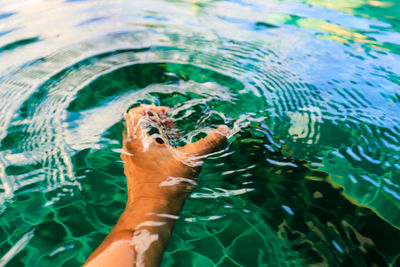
point(125, 154)
point(211, 143)
point(161, 110)
point(168, 123)
point(151, 110)
point(132, 120)
point(135, 116)
point(158, 115)
point(140, 109)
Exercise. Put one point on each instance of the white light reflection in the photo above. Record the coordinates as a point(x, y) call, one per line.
point(18, 246)
point(222, 193)
point(150, 224)
point(164, 215)
point(306, 124)
point(142, 241)
point(204, 218)
point(172, 181)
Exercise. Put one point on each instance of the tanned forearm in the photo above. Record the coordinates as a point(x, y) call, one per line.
point(159, 178)
point(146, 226)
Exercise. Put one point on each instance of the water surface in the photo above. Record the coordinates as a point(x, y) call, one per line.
point(310, 89)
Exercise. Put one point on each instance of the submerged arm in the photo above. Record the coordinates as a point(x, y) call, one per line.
point(159, 178)
point(140, 235)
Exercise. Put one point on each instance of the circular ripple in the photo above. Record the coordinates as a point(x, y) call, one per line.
point(301, 128)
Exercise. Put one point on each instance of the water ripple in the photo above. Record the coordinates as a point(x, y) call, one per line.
point(310, 90)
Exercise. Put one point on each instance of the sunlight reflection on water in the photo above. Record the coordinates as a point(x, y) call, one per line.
point(310, 89)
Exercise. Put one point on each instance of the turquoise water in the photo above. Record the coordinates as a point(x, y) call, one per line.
point(310, 89)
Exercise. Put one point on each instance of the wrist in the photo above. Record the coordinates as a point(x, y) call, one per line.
point(142, 205)
point(158, 188)
point(154, 215)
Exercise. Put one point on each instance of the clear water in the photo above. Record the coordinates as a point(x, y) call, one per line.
point(311, 89)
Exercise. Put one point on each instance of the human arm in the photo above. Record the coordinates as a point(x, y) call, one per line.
point(159, 178)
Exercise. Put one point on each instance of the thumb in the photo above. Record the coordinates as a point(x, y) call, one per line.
point(211, 143)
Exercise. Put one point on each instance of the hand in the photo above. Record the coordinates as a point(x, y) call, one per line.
point(159, 178)
point(153, 167)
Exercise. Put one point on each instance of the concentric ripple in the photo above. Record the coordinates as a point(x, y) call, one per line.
point(310, 90)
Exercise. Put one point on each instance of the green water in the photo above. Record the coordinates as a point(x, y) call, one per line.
point(310, 89)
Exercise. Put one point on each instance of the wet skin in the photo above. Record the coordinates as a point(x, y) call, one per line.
point(159, 178)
